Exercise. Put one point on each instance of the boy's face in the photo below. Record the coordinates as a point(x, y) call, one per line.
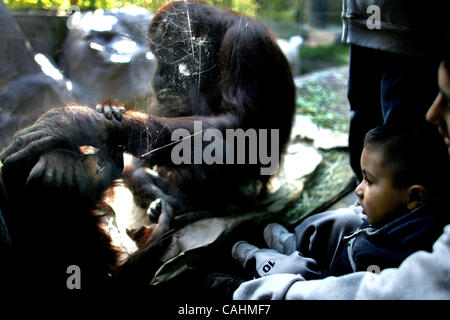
point(439, 112)
point(379, 199)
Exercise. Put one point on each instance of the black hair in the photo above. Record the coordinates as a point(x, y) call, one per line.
point(413, 156)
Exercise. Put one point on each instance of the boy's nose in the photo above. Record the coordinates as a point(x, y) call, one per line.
point(359, 190)
point(433, 114)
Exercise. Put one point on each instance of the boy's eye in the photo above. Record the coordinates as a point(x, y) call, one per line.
point(369, 182)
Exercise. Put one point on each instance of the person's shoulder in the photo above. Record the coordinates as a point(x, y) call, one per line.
point(439, 205)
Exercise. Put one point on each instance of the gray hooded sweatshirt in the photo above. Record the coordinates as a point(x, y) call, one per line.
point(410, 27)
point(423, 275)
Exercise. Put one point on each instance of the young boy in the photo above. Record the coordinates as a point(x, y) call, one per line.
point(402, 171)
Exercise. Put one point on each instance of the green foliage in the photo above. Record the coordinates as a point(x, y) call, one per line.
point(285, 10)
point(321, 57)
point(29, 4)
point(337, 53)
point(83, 4)
point(249, 7)
point(327, 108)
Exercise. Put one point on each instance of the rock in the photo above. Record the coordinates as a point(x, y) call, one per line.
point(16, 55)
point(44, 30)
point(25, 99)
point(28, 87)
point(300, 161)
point(328, 139)
point(330, 79)
point(291, 49)
point(106, 55)
point(304, 129)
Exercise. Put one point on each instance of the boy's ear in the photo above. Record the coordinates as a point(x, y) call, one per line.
point(417, 195)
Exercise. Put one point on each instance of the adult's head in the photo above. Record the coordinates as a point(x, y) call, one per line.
point(439, 113)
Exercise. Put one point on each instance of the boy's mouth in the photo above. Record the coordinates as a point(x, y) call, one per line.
point(363, 209)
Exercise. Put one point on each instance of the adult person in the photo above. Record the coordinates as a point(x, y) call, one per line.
point(393, 63)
